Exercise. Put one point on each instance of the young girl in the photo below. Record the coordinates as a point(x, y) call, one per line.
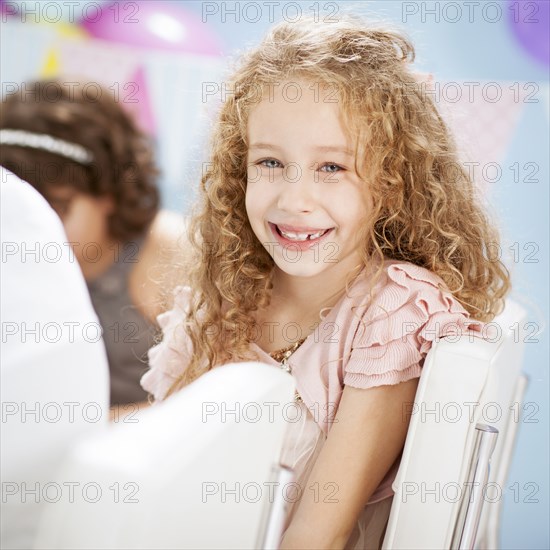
point(81, 150)
point(339, 238)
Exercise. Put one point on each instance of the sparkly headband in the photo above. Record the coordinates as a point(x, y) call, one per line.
point(47, 143)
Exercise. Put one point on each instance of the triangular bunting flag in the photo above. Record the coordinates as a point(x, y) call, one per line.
point(483, 117)
point(108, 64)
point(51, 68)
point(138, 101)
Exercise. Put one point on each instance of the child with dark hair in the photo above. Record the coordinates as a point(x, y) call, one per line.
point(84, 153)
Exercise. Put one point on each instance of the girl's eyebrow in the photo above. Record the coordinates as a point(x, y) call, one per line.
point(263, 146)
point(320, 148)
point(334, 149)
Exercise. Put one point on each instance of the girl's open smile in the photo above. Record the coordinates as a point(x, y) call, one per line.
point(298, 238)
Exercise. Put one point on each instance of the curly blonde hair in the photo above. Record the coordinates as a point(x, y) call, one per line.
point(425, 208)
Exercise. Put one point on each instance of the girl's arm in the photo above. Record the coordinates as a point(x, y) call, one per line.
point(162, 264)
point(365, 439)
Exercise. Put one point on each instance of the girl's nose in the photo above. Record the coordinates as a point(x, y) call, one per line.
point(297, 193)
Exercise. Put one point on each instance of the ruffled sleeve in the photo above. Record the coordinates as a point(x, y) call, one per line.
point(169, 358)
point(404, 319)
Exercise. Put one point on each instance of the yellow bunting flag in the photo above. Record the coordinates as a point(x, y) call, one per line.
point(51, 65)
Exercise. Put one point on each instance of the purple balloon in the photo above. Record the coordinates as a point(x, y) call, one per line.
point(530, 22)
point(159, 25)
point(6, 10)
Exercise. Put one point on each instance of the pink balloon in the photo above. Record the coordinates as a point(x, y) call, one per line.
point(152, 24)
point(8, 9)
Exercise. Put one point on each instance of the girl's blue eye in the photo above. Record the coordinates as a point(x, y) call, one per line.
point(265, 161)
point(333, 168)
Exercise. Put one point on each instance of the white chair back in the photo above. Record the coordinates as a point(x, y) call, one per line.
point(465, 381)
point(195, 471)
point(53, 366)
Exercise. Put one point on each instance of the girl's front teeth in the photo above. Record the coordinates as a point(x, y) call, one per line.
point(301, 236)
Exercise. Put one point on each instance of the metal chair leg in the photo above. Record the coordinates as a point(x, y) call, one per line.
point(471, 505)
point(269, 535)
point(491, 540)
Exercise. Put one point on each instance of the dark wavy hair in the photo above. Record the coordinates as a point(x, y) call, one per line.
point(89, 116)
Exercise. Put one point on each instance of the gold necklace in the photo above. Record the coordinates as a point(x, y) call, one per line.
point(282, 355)
point(285, 353)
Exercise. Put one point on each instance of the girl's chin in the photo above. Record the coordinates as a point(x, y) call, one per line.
point(298, 263)
point(300, 268)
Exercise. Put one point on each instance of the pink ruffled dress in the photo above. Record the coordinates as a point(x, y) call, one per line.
point(358, 343)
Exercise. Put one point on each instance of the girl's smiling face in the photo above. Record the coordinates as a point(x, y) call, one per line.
point(304, 199)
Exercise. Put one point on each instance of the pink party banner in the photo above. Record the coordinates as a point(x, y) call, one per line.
point(483, 117)
point(108, 65)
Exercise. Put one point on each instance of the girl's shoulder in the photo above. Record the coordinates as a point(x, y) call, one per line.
point(162, 262)
point(411, 309)
point(401, 282)
point(169, 358)
point(401, 272)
